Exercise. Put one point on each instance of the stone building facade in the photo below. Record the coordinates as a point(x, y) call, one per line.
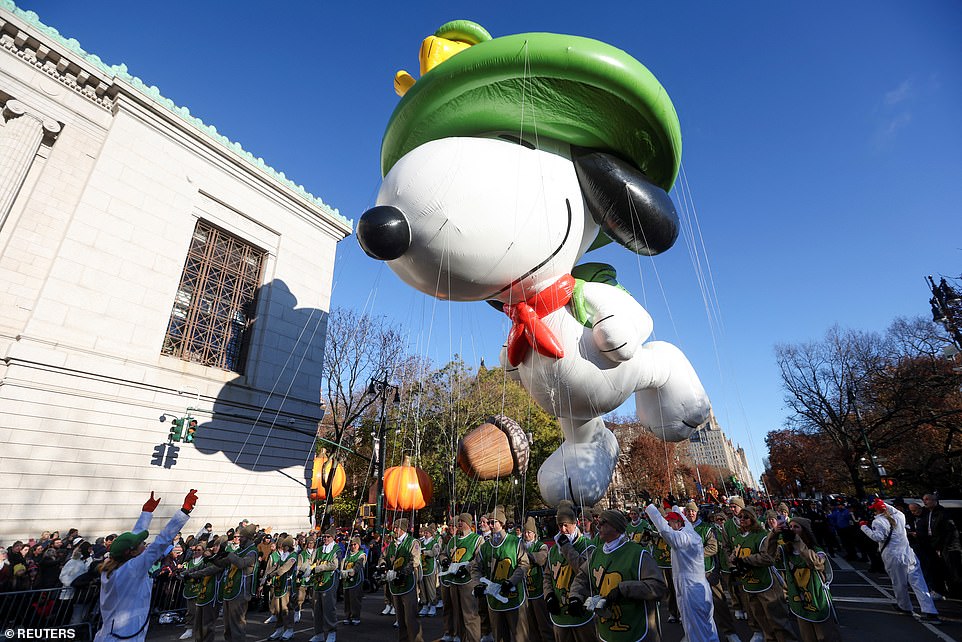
point(149, 268)
point(710, 446)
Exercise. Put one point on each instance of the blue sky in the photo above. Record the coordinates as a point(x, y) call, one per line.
point(822, 158)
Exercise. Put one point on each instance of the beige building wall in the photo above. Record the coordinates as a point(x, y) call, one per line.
point(102, 181)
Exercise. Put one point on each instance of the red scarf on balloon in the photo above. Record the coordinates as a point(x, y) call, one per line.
point(529, 330)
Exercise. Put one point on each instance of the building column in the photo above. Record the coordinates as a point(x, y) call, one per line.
point(21, 136)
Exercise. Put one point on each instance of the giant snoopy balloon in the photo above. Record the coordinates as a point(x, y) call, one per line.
point(504, 163)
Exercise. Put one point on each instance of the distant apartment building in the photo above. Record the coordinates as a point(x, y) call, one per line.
point(150, 270)
point(709, 446)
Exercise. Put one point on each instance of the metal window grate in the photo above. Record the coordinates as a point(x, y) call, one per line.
point(216, 299)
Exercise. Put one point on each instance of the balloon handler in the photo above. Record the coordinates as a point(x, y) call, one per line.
point(506, 162)
point(125, 585)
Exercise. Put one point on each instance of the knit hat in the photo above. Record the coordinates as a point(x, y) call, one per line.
point(531, 525)
point(806, 525)
point(770, 514)
point(615, 518)
point(356, 540)
point(247, 530)
point(285, 542)
point(497, 515)
point(587, 93)
point(691, 506)
point(402, 523)
point(566, 513)
point(737, 501)
point(749, 510)
point(127, 541)
point(466, 518)
point(782, 506)
point(673, 515)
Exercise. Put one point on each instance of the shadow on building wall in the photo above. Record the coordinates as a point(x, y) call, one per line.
point(266, 420)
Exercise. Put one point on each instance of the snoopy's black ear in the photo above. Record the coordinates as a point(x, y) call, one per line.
point(630, 208)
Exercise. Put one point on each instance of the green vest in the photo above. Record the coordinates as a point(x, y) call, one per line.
point(758, 578)
point(192, 585)
point(498, 563)
point(661, 551)
point(324, 581)
point(703, 528)
point(281, 584)
point(562, 574)
point(427, 563)
point(639, 534)
point(354, 561)
point(723, 551)
point(808, 597)
point(304, 560)
point(235, 581)
point(626, 621)
point(535, 579)
point(462, 549)
point(402, 557)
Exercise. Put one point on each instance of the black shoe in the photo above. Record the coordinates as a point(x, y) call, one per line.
point(931, 618)
point(900, 610)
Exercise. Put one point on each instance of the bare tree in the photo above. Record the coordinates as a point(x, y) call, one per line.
point(359, 348)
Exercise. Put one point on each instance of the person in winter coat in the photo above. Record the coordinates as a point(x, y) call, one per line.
point(125, 584)
point(901, 564)
point(809, 599)
point(688, 573)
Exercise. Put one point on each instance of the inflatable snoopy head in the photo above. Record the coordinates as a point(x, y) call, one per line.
point(506, 162)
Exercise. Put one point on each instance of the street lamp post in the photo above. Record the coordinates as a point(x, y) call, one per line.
point(382, 387)
point(947, 309)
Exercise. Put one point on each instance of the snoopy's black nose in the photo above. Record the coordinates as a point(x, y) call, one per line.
point(384, 233)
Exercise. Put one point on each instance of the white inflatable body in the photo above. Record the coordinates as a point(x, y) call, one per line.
point(496, 220)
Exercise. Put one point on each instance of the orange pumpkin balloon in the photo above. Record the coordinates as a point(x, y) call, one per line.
point(322, 468)
point(407, 487)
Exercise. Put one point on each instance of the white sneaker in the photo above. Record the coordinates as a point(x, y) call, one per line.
point(276, 634)
point(432, 611)
point(318, 638)
point(757, 637)
point(447, 638)
point(423, 611)
point(732, 637)
point(395, 624)
point(186, 635)
point(270, 620)
point(332, 636)
point(487, 638)
point(288, 634)
point(387, 610)
point(393, 611)
point(740, 615)
point(297, 617)
point(355, 622)
point(936, 596)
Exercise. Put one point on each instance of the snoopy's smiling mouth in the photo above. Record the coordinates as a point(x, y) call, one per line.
point(553, 254)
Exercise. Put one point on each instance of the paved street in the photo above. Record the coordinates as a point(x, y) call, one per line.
point(863, 601)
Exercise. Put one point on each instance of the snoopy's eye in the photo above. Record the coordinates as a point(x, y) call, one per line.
point(516, 139)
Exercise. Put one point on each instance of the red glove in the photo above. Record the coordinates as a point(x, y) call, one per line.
point(151, 503)
point(190, 500)
point(863, 523)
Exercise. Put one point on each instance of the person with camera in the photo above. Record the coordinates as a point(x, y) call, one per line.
point(626, 577)
point(203, 586)
point(688, 572)
point(503, 561)
point(809, 599)
point(324, 580)
point(752, 568)
point(125, 582)
point(571, 549)
point(403, 558)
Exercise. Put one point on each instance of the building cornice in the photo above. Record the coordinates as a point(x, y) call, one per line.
point(23, 35)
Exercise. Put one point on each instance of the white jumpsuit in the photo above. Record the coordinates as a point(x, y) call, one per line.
point(688, 574)
point(900, 561)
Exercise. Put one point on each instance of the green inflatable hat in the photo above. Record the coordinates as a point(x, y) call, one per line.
point(570, 88)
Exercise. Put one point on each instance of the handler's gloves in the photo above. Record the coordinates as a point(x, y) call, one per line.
point(151, 503)
point(189, 501)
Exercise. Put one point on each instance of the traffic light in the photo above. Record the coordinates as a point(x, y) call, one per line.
point(176, 430)
point(160, 451)
point(888, 482)
point(191, 428)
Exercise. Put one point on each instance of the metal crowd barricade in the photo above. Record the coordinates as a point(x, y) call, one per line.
point(79, 608)
point(55, 608)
